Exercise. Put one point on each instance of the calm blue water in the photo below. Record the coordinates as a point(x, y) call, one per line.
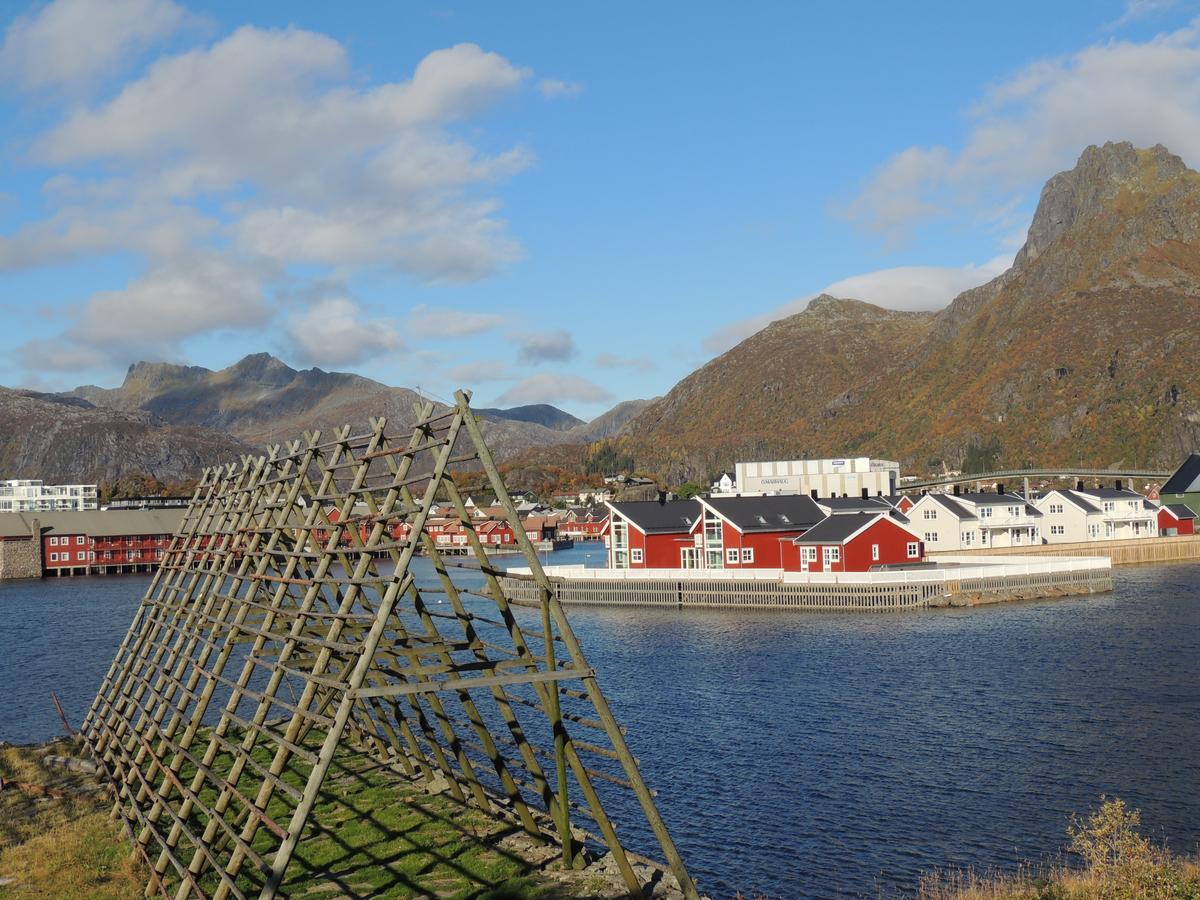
point(820, 754)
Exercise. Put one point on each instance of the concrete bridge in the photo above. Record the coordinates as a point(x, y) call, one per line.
point(1026, 475)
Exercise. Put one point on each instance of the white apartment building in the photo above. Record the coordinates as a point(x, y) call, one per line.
point(31, 495)
point(1100, 514)
point(828, 477)
point(948, 522)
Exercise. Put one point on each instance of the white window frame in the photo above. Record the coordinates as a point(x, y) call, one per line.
point(79, 539)
point(930, 514)
point(830, 555)
point(636, 555)
point(931, 537)
point(914, 549)
point(747, 554)
point(874, 553)
point(53, 557)
point(731, 556)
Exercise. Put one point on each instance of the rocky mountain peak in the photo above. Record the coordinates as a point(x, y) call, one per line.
point(262, 368)
point(1099, 175)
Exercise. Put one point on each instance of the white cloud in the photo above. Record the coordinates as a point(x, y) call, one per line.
point(149, 317)
point(556, 88)
point(608, 360)
point(902, 287)
point(553, 387)
point(424, 322)
point(1141, 9)
point(1036, 122)
point(546, 346)
point(71, 43)
point(335, 332)
point(265, 146)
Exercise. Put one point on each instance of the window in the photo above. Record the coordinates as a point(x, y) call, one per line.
point(1056, 508)
point(968, 537)
point(79, 539)
point(1014, 511)
point(875, 552)
point(1058, 529)
point(985, 512)
point(81, 555)
point(91, 556)
point(914, 549)
point(930, 514)
point(830, 555)
point(747, 554)
point(636, 554)
point(931, 537)
point(53, 557)
point(54, 543)
point(731, 556)
point(1109, 507)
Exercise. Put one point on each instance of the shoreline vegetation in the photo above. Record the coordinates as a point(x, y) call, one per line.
point(57, 839)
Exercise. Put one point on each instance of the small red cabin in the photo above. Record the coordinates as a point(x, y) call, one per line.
point(648, 534)
point(1177, 516)
point(855, 543)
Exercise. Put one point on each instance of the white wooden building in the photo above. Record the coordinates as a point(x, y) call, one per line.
point(1099, 514)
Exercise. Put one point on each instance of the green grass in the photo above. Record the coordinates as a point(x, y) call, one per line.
point(373, 833)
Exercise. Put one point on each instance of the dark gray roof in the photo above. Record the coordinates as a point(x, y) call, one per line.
point(1080, 501)
point(836, 529)
point(93, 522)
point(653, 517)
point(784, 512)
point(1110, 493)
point(1186, 478)
point(988, 497)
point(1180, 511)
point(854, 504)
point(953, 505)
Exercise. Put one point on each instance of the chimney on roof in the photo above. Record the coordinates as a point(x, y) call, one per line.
point(957, 490)
point(662, 498)
point(1079, 485)
point(924, 492)
point(866, 493)
point(813, 493)
point(1000, 488)
point(1118, 484)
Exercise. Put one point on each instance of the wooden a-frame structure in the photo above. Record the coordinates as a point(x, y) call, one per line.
point(289, 618)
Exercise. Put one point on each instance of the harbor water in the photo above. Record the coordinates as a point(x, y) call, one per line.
point(818, 754)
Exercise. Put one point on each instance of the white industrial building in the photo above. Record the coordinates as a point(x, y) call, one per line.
point(827, 477)
point(31, 495)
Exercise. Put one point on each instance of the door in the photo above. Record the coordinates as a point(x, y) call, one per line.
point(689, 557)
point(807, 556)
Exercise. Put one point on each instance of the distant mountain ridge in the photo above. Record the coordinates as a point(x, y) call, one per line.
point(211, 416)
point(1083, 352)
point(69, 440)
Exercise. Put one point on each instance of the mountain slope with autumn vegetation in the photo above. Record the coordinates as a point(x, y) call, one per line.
point(1083, 352)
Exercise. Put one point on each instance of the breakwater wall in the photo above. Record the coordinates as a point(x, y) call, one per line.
point(953, 584)
point(1183, 548)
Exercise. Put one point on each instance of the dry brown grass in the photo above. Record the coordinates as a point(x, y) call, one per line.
point(56, 839)
point(1119, 863)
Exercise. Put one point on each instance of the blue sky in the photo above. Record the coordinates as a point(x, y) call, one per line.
point(545, 202)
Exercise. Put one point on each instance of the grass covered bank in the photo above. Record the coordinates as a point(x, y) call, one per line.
point(376, 834)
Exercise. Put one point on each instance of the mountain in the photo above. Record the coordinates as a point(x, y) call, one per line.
point(1083, 352)
point(261, 400)
point(608, 424)
point(68, 439)
point(537, 414)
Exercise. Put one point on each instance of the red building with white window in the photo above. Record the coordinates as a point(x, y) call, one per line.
point(648, 534)
point(1177, 516)
point(749, 532)
point(855, 543)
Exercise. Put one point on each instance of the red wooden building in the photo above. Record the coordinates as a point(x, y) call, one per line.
point(1177, 516)
point(748, 532)
point(649, 534)
point(855, 543)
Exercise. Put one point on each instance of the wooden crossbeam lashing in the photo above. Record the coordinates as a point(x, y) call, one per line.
point(292, 620)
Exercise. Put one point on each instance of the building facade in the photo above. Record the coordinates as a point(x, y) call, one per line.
point(1184, 486)
point(828, 477)
point(32, 495)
